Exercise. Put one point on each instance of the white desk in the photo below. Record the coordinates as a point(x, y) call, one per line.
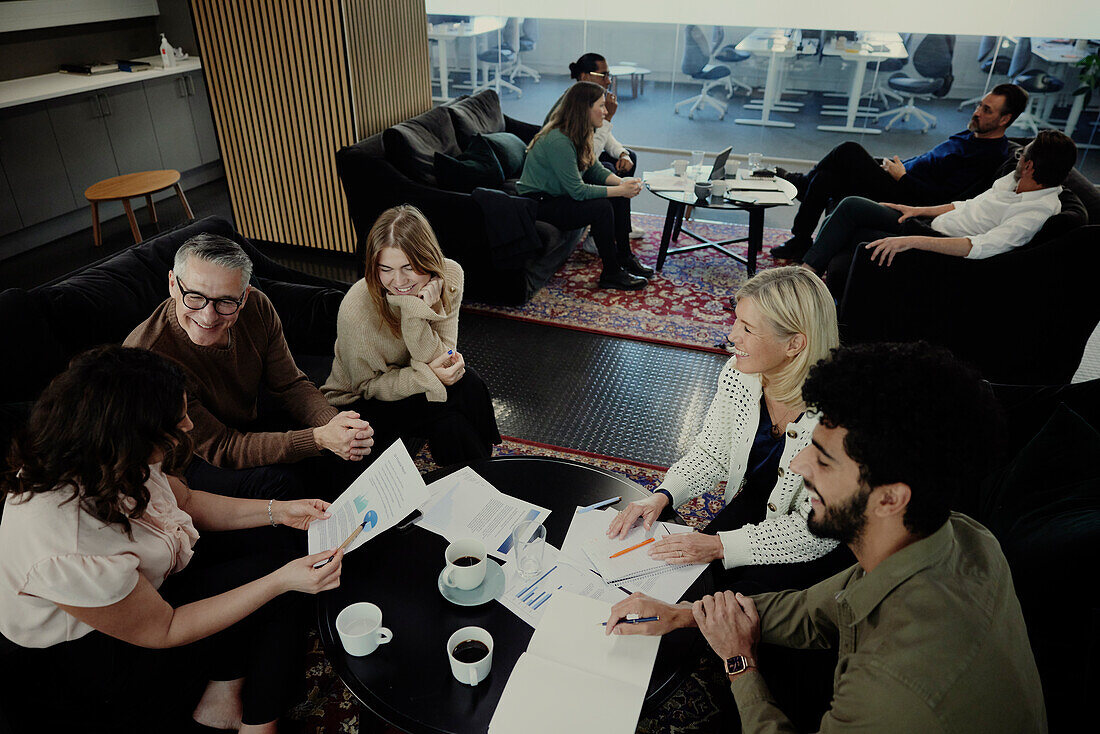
point(779, 44)
point(1059, 51)
point(870, 47)
point(443, 33)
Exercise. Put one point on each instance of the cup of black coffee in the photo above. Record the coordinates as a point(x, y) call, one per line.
point(470, 652)
point(465, 564)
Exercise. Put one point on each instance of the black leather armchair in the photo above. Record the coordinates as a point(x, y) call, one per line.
point(1022, 317)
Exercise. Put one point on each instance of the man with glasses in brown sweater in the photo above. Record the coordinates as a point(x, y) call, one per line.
point(230, 341)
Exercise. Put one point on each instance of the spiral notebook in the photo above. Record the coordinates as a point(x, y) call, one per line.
point(635, 564)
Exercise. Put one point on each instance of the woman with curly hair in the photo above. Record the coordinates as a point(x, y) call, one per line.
point(396, 360)
point(102, 567)
point(574, 190)
point(757, 423)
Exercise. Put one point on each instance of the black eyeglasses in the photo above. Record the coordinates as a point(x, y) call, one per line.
point(197, 301)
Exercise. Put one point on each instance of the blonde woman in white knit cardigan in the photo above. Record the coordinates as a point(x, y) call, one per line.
point(397, 362)
point(757, 422)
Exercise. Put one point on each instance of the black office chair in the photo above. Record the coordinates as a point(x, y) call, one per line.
point(990, 59)
point(727, 55)
point(501, 59)
point(882, 91)
point(528, 38)
point(696, 64)
point(932, 60)
point(1036, 83)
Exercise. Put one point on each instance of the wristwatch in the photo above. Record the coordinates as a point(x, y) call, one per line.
point(737, 665)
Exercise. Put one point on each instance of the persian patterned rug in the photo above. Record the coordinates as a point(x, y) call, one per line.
point(684, 305)
point(327, 705)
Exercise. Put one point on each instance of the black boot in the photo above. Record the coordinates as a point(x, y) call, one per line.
point(634, 266)
point(793, 249)
point(621, 279)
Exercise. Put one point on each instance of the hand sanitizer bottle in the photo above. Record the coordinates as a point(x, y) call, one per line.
point(167, 53)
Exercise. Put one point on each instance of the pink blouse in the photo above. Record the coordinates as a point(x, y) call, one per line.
point(53, 552)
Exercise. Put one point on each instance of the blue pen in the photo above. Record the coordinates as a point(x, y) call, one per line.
point(637, 620)
point(598, 505)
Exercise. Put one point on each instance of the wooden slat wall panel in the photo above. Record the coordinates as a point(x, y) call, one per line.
point(280, 93)
point(388, 55)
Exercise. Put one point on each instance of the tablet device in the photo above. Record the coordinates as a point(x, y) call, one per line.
point(718, 170)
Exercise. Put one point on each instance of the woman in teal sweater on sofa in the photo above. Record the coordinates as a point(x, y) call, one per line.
point(573, 190)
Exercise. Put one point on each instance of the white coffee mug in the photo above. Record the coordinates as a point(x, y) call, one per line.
point(679, 167)
point(360, 628)
point(470, 673)
point(462, 576)
point(718, 186)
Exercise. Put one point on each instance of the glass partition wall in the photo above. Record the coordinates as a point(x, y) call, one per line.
point(791, 94)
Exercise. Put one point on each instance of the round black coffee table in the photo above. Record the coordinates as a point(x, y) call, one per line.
point(679, 201)
point(408, 682)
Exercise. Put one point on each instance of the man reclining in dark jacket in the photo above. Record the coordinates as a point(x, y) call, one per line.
point(953, 169)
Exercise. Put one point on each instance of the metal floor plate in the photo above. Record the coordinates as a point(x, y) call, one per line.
point(594, 393)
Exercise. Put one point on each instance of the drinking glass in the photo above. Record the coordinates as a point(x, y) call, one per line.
point(697, 163)
point(755, 161)
point(528, 543)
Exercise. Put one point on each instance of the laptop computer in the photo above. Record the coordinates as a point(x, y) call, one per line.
point(718, 170)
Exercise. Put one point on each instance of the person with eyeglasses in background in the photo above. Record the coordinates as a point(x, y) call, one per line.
point(229, 340)
point(616, 157)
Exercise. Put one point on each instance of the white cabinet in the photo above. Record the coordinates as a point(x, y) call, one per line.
point(32, 162)
point(9, 213)
point(81, 134)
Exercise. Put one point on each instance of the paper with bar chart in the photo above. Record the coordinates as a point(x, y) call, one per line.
point(526, 597)
point(465, 505)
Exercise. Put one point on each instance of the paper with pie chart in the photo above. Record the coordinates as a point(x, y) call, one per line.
point(384, 494)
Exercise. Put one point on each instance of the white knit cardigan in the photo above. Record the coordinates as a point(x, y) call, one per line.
point(721, 451)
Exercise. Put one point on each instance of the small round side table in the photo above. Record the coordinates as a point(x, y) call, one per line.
point(131, 186)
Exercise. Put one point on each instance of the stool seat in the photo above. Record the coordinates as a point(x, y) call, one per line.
point(130, 186)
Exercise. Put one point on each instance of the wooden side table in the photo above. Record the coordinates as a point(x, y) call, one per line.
point(131, 186)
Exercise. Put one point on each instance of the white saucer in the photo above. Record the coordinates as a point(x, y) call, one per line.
point(490, 588)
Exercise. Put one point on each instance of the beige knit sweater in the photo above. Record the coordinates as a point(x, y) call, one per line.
point(371, 362)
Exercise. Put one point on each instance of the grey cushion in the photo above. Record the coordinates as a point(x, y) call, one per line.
point(476, 166)
point(411, 145)
point(477, 114)
point(509, 150)
point(1071, 217)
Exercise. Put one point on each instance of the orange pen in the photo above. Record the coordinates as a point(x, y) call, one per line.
point(633, 547)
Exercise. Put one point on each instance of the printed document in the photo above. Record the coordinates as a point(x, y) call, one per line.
point(465, 505)
point(384, 494)
point(666, 582)
point(527, 597)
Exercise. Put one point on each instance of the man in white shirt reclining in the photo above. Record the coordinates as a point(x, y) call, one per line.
point(1007, 215)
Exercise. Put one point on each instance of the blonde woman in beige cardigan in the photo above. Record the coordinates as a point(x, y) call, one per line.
point(397, 362)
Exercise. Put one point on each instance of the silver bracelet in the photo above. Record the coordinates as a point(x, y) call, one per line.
point(269, 515)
